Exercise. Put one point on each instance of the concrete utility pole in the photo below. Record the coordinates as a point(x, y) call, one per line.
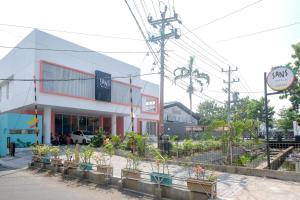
point(161, 39)
point(131, 104)
point(36, 113)
point(228, 90)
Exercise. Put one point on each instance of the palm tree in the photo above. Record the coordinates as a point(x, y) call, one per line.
point(194, 76)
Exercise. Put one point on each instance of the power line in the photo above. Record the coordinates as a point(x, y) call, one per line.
point(69, 50)
point(76, 79)
point(258, 32)
point(224, 16)
point(71, 32)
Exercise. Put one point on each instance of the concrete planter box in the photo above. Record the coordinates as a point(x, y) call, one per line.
point(45, 160)
point(161, 178)
point(56, 162)
point(70, 164)
point(86, 166)
point(133, 174)
point(36, 158)
point(202, 186)
point(105, 169)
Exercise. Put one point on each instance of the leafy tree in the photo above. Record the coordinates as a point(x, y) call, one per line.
point(285, 122)
point(293, 94)
point(193, 75)
point(210, 111)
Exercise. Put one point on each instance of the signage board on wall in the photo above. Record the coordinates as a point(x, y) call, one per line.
point(102, 86)
point(281, 78)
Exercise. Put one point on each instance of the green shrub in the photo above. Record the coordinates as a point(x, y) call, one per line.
point(188, 145)
point(87, 152)
point(97, 140)
point(54, 151)
point(115, 140)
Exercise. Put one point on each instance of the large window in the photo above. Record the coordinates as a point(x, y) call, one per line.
point(82, 123)
point(66, 124)
point(74, 123)
point(58, 124)
point(151, 128)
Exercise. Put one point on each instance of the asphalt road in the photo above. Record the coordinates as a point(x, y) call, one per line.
point(31, 185)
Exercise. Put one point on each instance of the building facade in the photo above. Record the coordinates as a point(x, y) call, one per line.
point(180, 121)
point(77, 89)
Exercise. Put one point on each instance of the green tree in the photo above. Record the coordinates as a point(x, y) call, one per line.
point(210, 111)
point(287, 116)
point(293, 94)
point(193, 75)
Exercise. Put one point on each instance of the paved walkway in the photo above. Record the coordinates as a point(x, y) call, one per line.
point(230, 186)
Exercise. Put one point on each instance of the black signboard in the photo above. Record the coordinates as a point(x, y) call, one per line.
point(102, 86)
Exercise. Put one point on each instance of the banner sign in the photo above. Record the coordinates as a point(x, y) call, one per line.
point(102, 86)
point(280, 78)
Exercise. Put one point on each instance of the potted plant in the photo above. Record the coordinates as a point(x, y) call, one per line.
point(86, 155)
point(157, 176)
point(55, 160)
point(132, 164)
point(43, 151)
point(202, 182)
point(70, 162)
point(104, 160)
point(35, 153)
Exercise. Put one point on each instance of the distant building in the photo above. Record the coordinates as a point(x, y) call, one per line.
point(180, 120)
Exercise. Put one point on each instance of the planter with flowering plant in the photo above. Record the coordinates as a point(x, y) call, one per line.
point(158, 176)
point(86, 155)
point(70, 162)
point(132, 164)
point(55, 160)
point(103, 160)
point(202, 181)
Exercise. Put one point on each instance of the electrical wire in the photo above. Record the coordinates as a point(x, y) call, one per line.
point(71, 32)
point(224, 16)
point(258, 32)
point(69, 50)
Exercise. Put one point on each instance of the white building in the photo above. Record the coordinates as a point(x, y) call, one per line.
point(71, 105)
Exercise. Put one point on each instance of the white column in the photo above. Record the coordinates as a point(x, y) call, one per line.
point(47, 125)
point(114, 125)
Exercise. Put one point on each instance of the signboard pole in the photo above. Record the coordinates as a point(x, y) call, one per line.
point(267, 119)
point(36, 113)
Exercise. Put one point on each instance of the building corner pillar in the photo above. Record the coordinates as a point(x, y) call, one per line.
point(114, 125)
point(47, 125)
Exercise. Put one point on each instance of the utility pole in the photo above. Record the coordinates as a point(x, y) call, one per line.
point(161, 39)
point(228, 90)
point(131, 104)
point(36, 122)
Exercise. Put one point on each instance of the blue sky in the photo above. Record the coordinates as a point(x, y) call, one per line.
point(252, 55)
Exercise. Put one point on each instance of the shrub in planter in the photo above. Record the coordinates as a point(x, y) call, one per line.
point(97, 140)
point(132, 164)
point(43, 151)
point(86, 155)
point(35, 153)
point(202, 182)
point(159, 176)
point(55, 160)
point(103, 160)
point(70, 162)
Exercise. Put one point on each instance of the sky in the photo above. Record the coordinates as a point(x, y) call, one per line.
point(252, 55)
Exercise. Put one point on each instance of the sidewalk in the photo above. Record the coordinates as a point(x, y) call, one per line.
point(21, 159)
point(230, 186)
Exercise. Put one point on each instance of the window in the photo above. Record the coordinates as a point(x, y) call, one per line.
point(7, 91)
point(82, 123)
point(151, 128)
point(58, 124)
point(74, 122)
point(66, 124)
point(149, 104)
